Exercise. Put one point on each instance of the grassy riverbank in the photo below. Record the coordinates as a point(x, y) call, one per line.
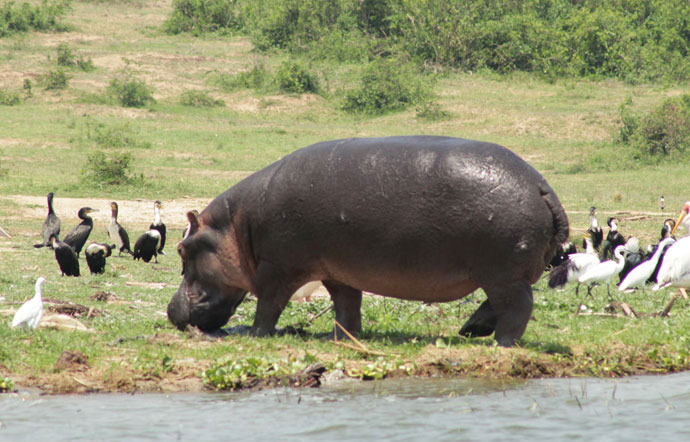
point(185, 155)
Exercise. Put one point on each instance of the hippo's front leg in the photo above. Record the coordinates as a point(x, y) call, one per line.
point(274, 289)
point(506, 311)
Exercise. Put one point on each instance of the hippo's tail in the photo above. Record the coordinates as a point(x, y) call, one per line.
point(561, 227)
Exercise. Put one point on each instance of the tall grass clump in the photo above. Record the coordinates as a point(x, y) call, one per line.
point(660, 134)
point(387, 86)
point(257, 78)
point(27, 17)
point(131, 92)
point(56, 79)
point(10, 98)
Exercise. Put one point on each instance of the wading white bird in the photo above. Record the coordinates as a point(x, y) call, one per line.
point(675, 269)
point(31, 312)
point(604, 271)
point(639, 275)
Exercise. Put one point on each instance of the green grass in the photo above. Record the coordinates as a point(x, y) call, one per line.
point(565, 129)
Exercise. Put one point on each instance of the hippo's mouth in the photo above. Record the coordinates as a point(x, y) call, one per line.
point(208, 310)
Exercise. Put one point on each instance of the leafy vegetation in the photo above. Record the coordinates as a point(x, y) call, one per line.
point(108, 168)
point(10, 98)
point(293, 77)
point(66, 58)
point(30, 17)
point(56, 79)
point(131, 92)
point(630, 39)
point(664, 132)
point(199, 99)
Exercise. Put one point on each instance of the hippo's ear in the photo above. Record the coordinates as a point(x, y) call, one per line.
point(193, 223)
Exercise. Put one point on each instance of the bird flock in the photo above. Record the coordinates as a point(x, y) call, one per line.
point(665, 264)
point(148, 246)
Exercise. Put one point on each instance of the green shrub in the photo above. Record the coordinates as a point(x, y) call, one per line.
point(661, 133)
point(387, 86)
point(10, 98)
point(201, 16)
point(28, 87)
point(199, 99)
point(28, 17)
point(66, 58)
point(131, 92)
point(56, 79)
point(293, 77)
point(108, 169)
point(257, 78)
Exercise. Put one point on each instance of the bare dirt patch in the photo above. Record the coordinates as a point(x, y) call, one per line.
point(136, 212)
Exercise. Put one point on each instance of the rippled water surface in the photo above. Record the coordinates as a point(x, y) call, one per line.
point(638, 408)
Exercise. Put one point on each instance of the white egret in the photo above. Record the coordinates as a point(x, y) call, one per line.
point(604, 271)
point(31, 312)
point(639, 275)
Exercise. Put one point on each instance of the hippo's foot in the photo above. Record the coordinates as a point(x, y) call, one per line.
point(481, 323)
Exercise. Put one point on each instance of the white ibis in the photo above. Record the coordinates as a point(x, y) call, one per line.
point(640, 274)
point(574, 266)
point(31, 312)
point(604, 271)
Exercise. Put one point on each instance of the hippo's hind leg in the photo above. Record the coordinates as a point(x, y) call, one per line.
point(347, 303)
point(506, 312)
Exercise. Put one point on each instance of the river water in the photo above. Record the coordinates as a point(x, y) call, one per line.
point(637, 408)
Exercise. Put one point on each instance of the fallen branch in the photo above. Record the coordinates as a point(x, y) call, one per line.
point(362, 350)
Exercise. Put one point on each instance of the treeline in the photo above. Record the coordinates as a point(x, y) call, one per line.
point(634, 40)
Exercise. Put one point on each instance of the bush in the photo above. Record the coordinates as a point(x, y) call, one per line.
point(108, 169)
point(293, 77)
point(431, 111)
point(66, 58)
point(10, 98)
point(56, 79)
point(201, 16)
point(199, 99)
point(24, 18)
point(387, 86)
point(257, 78)
point(663, 132)
point(131, 92)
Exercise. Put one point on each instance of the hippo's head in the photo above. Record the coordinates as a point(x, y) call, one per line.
point(208, 294)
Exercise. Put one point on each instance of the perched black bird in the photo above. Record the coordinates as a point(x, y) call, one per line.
point(613, 239)
point(117, 233)
point(595, 232)
point(80, 233)
point(51, 225)
point(95, 256)
point(146, 246)
point(562, 252)
point(157, 224)
point(65, 256)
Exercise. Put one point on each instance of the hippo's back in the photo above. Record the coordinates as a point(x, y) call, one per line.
point(420, 204)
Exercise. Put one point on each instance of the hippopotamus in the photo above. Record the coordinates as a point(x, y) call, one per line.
point(425, 218)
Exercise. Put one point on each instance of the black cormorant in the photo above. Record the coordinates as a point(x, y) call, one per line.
point(157, 224)
point(117, 233)
point(146, 246)
point(95, 256)
point(65, 256)
point(80, 233)
point(613, 239)
point(51, 225)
